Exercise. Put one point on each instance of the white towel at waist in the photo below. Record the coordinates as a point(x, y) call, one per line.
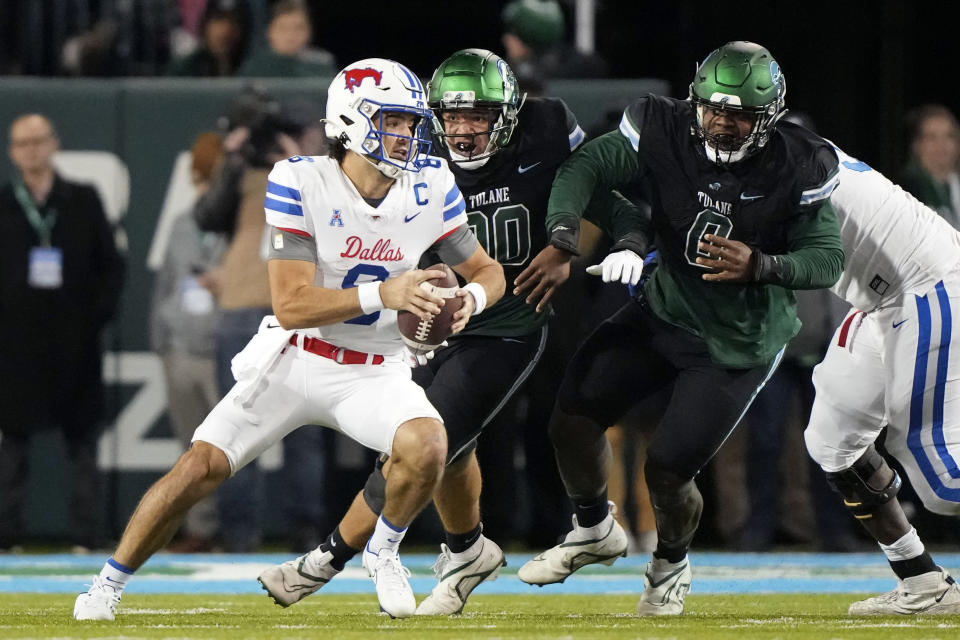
point(258, 357)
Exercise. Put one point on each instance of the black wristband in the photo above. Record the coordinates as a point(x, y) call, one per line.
point(634, 242)
point(565, 237)
point(768, 269)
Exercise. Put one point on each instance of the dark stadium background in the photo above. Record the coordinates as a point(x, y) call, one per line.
point(855, 66)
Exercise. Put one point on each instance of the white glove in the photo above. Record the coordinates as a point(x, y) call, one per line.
point(415, 360)
point(624, 265)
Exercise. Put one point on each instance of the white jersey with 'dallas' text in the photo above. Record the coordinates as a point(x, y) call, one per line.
point(894, 244)
point(358, 243)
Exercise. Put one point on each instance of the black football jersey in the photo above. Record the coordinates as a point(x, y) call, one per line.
point(506, 202)
point(749, 201)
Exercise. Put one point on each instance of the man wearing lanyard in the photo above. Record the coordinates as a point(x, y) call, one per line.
point(60, 279)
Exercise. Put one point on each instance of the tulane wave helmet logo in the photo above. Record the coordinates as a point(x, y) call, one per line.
point(509, 82)
point(775, 75)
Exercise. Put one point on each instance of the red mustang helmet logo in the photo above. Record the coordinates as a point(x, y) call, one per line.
point(356, 76)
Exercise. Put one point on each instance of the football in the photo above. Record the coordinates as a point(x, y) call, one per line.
point(422, 336)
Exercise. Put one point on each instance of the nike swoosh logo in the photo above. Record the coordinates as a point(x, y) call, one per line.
point(897, 324)
point(522, 169)
point(654, 583)
point(392, 540)
point(744, 196)
point(409, 218)
point(940, 597)
point(273, 326)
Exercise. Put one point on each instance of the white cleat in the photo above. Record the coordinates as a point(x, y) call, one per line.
point(602, 544)
point(294, 580)
point(457, 581)
point(98, 603)
point(665, 587)
point(932, 593)
point(393, 589)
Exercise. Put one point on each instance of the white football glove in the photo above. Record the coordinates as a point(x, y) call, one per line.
point(624, 265)
point(415, 360)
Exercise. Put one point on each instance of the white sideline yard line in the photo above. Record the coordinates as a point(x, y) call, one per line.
point(236, 574)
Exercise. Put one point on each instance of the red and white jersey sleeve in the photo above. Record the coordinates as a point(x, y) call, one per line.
point(894, 244)
point(454, 207)
point(357, 242)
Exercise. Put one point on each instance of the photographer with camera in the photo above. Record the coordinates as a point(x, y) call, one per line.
point(260, 132)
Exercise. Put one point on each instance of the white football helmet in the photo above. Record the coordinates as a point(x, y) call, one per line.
point(356, 101)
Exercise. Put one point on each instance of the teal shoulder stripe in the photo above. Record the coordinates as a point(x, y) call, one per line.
point(630, 131)
point(823, 191)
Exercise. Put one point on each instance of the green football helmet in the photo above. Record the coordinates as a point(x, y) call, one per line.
point(739, 76)
point(475, 79)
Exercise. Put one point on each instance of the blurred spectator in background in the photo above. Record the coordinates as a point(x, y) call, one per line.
point(287, 52)
point(225, 36)
point(191, 18)
point(33, 34)
point(931, 174)
point(260, 132)
point(183, 322)
point(126, 39)
point(118, 37)
point(535, 47)
point(60, 281)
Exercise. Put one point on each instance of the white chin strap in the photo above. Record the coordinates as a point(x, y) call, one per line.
point(387, 169)
point(725, 157)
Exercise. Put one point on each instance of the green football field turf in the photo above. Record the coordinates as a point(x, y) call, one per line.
point(740, 617)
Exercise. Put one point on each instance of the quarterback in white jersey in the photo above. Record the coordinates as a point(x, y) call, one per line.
point(346, 234)
point(890, 364)
point(354, 243)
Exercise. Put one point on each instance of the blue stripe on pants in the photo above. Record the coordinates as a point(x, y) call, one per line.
point(943, 359)
point(914, 439)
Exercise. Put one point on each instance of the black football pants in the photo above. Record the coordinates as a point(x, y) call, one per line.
point(470, 381)
point(633, 354)
point(628, 357)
